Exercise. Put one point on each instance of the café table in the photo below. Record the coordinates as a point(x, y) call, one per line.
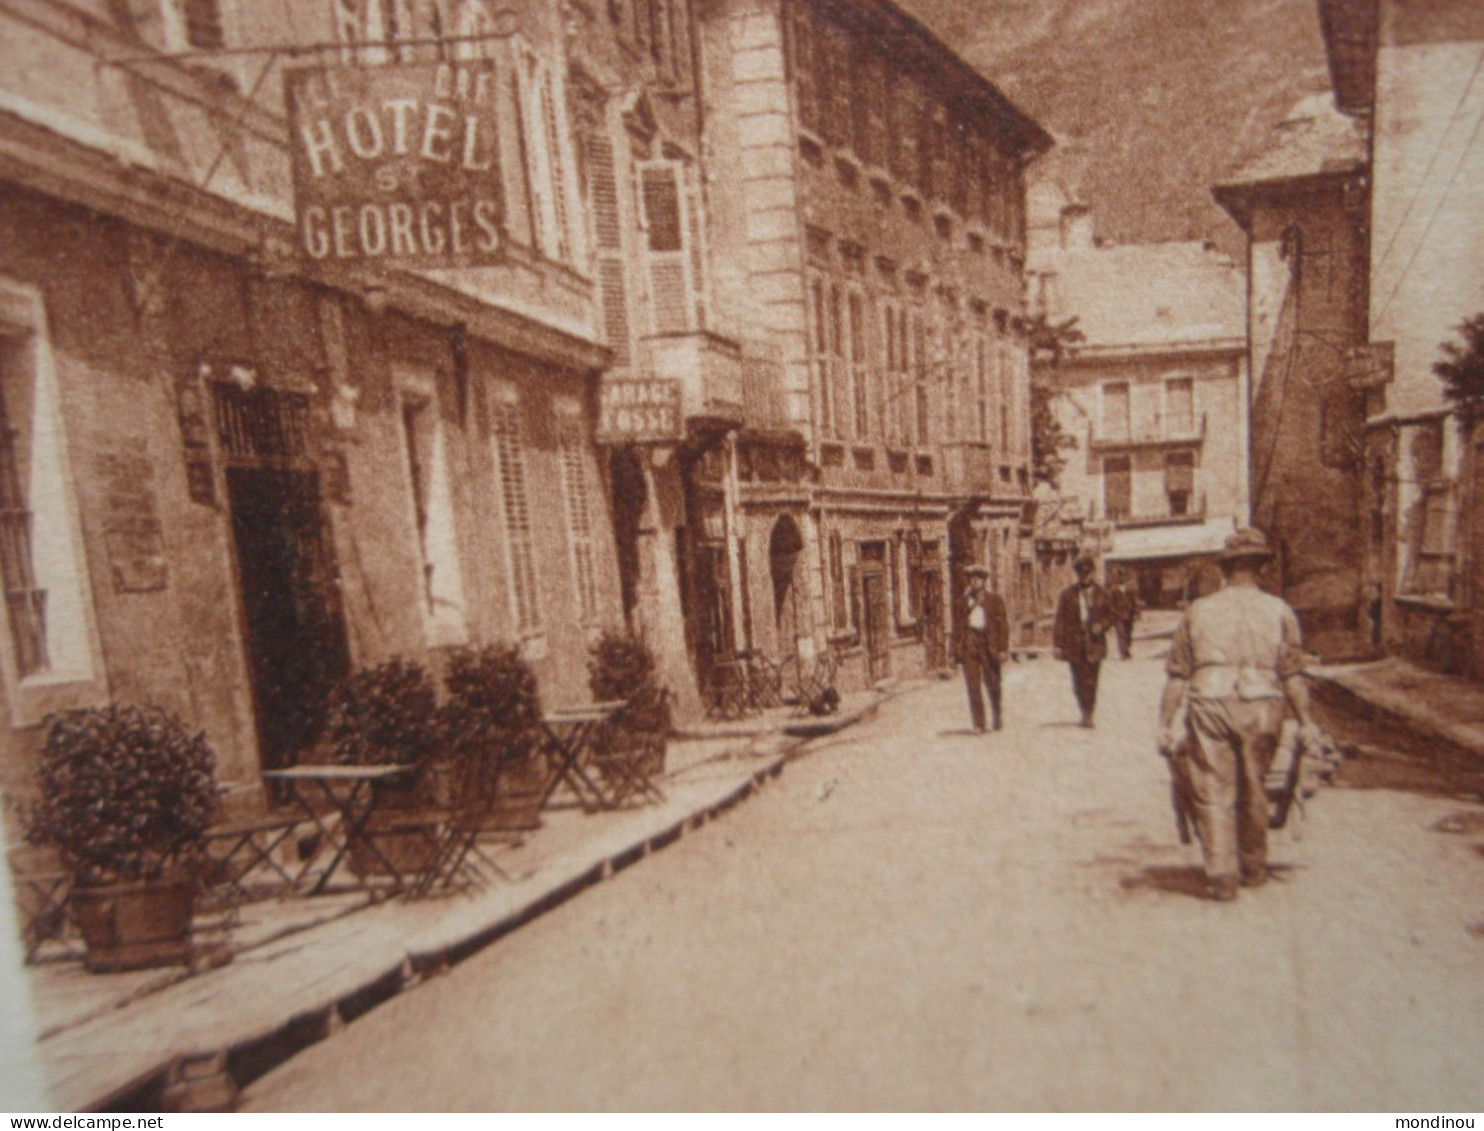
point(349, 791)
point(570, 734)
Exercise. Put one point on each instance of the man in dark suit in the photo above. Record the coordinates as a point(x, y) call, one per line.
point(985, 646)
point(1123, 599)
point(1083, 617)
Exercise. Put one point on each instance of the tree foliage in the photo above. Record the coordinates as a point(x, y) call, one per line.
point(1461, 368)
point(1049, 341)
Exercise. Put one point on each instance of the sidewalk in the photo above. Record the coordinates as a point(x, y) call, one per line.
point(301, 968)
point(1395, 702)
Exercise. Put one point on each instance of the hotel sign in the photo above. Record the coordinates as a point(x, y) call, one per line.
point(397, 164)
point(640, 412)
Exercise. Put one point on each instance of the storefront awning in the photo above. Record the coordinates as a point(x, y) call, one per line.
point(1169, 541)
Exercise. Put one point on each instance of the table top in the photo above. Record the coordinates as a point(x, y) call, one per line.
point(328, 772)
point(587, 714)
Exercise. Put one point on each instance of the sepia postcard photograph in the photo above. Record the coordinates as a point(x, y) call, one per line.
point(742, 555)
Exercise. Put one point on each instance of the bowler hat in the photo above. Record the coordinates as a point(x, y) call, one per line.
point(976, 571)
point(1245, 543)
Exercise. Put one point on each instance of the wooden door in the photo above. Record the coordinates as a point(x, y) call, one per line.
point(877, 606)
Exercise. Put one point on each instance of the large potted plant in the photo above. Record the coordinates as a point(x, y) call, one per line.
point(621, 666)
point(383, 715)
point(126, 796)
point(488, 725)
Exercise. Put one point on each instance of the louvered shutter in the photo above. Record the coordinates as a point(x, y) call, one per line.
point(696, 238)
point(662, 194)
point(608, 234)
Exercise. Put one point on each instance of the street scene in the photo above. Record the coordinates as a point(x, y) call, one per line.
point(891, 927)
point(741, 554)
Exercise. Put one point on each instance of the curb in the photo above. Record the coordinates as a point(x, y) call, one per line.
point(210, 1080)
point(1376, 723)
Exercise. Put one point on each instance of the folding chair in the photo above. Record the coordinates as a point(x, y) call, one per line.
point(42, 887)
point(238, 849)
point(454, 863)
point(631, 751)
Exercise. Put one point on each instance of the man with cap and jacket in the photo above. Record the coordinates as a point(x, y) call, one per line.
point(1235, 661)
point(1083, 617)
point(985, 645)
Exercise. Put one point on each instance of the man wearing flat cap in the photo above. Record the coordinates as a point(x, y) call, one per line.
point(1235, 660)
point(986, 645)
point(1080, 635)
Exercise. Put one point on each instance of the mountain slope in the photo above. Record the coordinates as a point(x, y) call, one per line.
point(1151, 101)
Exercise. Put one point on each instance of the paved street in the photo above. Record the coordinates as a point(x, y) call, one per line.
point(917, 917)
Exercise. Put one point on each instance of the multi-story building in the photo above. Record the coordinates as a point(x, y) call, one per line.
point(241, 456)
point(1153, 396)
point(866, 204)
point(1407, 73)
point(1301, 203)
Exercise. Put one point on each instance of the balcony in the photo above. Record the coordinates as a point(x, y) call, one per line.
point(709, 370)
point(1193, 513)
point(1159, 436)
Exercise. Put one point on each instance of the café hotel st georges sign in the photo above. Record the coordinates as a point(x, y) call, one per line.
point(397, 164)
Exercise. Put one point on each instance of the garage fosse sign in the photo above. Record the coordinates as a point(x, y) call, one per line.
point(397, 163)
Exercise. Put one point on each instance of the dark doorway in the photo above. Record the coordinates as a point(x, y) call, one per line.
point(935, 647)
point(784, 547)
point(294, 631)
point(878, 622)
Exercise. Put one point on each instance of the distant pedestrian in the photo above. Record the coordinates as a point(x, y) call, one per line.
point(1083, 618)
point(1236, 657)
point(986, 645)
point(1123, 601)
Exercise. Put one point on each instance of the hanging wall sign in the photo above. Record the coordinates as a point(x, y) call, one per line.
point(640, 412)
point(397, 164)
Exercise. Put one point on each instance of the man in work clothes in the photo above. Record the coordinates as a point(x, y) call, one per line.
point(1235, 660)
point(1123, 600)
point(986, 645)
point(1079, 637)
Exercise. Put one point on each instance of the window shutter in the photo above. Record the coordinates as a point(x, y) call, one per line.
point(662, 195)
point(608, 235)
point(510, 467)
point(696, 235)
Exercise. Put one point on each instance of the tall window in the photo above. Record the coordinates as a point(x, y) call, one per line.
point(672, 224)
point(801, 60)
point(1116, 410)
point(549, 174)
point(46, 607)
point(601, 178)
point(1180, 406)
point(981, 387)
point(1118, 487)
point(433, 513)
point(858, 365)
point(920, 379)
point(577, 492)
point(1180, 482)
point(510, 469)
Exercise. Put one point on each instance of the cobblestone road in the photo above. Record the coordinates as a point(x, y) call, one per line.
point(914, 916)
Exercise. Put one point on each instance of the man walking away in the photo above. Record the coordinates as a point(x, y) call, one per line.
point(1235, 659)
point(1079, 637)
point(1123, 601)
point(986, 645)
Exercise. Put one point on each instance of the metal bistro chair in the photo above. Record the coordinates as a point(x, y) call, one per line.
point(456, 861)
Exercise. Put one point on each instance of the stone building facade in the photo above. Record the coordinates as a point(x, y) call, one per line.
point(1403, 73)
point(1302, 204)
point(233, 473)
point(1153, 398)
point(866, 205)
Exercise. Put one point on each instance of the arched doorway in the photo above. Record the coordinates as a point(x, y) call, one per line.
point(784, 546)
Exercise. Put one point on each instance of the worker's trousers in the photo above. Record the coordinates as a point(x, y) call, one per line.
point(1232, 747)
point(981, 666)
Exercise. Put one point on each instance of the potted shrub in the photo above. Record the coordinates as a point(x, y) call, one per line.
point(621, 666)
point(126, 796)
point(489, 733)
point(384, 715)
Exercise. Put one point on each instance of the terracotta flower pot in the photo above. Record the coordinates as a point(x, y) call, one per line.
point(136, 926)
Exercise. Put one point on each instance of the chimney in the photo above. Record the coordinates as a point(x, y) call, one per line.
point(1076, 228)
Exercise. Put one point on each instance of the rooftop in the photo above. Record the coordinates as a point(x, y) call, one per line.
point(1143, 296)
